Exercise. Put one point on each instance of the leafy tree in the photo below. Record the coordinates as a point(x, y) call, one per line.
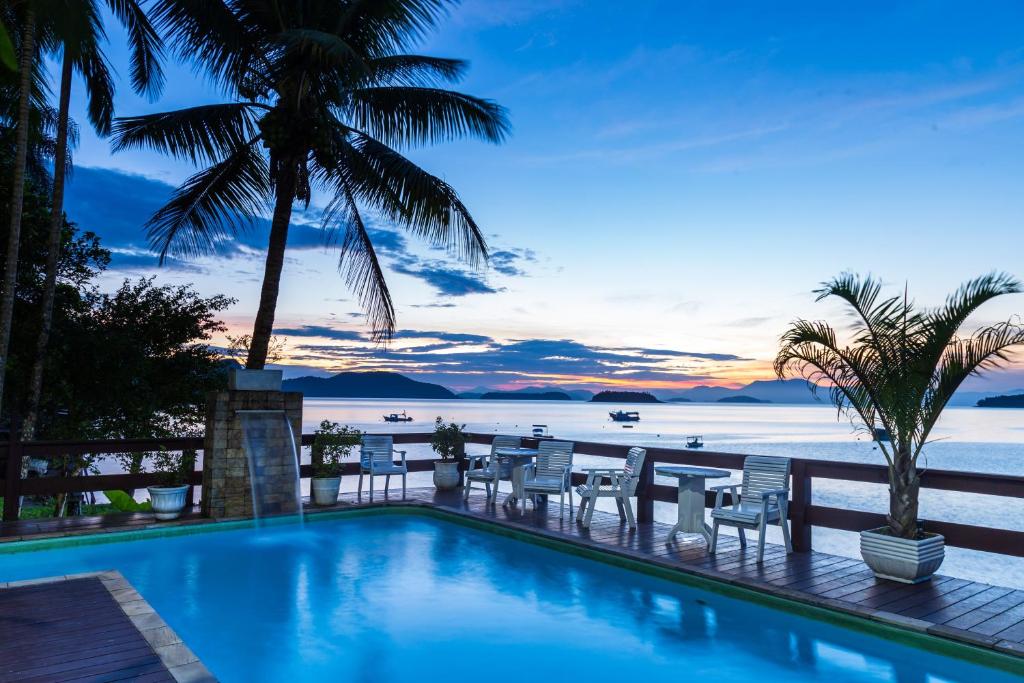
point(322, 94)
point(900, 368)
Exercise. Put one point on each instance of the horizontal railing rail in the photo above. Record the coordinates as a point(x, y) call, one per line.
point(804, 514)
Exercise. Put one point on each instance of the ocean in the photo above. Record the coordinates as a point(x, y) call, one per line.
point(971, 439)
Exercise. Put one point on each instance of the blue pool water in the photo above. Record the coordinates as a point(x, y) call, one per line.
point(406, 598)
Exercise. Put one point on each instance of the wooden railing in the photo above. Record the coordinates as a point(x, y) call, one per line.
point(804, 514)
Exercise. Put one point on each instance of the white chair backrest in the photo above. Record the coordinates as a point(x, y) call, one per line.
point(552, 457)
point(506, 442)
point(380, 449)
point(763, 473)
point(634, 463)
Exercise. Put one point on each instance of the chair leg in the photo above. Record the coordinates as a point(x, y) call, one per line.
point(785, 534)
point(743, 538)
point(561, 505)
point(387, 484)
point(583, 508)
point(629, 513)
point(403, 485)
point(360, 484)
point(570, 504)
point(371, 487)
point(760, 539)
point(622, 513)
point(590, 513)
point(714, 537)
point(466, 489)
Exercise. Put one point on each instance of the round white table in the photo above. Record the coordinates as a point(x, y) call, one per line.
point(519, 458)
point(691, 498)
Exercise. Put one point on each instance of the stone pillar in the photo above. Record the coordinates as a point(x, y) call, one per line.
point(226, 488)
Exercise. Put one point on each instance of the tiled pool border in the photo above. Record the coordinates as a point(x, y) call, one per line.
point(907, 631)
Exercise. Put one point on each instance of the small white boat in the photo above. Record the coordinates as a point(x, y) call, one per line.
point(540, 432)
point(624, 416)
point(396, 417)
point(695, 442)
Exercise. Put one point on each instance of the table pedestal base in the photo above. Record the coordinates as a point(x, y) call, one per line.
point(691, 509)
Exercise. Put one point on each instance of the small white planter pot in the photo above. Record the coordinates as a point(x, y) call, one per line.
point(446, 474)
point(240, 379)
point(325, 490)
point(167, 501)
point(901, 559)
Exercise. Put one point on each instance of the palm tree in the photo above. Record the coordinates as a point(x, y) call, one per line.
point(27, 60)
point(78, 32)
point(323, 93)
point(899, 369)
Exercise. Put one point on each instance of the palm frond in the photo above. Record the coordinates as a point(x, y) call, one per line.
point(418, 70)
point(324, 50)
point(147, 75)
point(380, 27)
point(212, 205)
point(399, 115)
point(358, 264)
point(206, 133)
point(92, 64)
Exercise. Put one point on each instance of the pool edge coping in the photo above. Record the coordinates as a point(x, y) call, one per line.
point(179, 660)
point(956, 643)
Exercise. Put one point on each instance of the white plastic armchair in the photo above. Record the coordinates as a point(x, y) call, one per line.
point(486, 468)
point(762, 499)
point(551, 474)
point(377, 457)
point(617, 483)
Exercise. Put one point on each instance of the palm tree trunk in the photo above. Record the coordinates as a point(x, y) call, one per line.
point(904, 489)
point(35, 386)
point(28, 48)
point(264, 326)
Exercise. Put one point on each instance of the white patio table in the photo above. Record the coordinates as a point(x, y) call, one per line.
point(690, 513)
point(518, 459)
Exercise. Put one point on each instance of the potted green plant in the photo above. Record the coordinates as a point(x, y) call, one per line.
point(168, 497)
point(894, 377)
point(331, 444)
point(448, 441)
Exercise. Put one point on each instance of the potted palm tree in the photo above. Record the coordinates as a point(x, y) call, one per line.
point(894, 376)
point(448, 441)
point(168, 498)
point(332, 443)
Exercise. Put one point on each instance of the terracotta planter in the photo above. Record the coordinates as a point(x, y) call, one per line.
point(167, 501)
point(901, 559)
point(446, 475)
point(325, 490)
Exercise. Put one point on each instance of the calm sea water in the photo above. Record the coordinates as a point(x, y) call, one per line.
point(409, 599)
point(970, 439)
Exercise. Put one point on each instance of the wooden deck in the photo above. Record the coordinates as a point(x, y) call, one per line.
point(967, 611)
point(72, 631)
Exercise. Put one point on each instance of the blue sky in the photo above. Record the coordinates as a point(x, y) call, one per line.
point(681, 175)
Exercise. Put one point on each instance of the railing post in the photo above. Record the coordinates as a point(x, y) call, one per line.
point(12, 473)
point(644, 499)
point(801, 491)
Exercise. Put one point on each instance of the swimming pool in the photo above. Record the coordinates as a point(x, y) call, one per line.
point(402, 597)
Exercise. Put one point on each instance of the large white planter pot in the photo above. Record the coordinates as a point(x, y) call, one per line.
point(240, 379)
point(446, 474)
point(167, 501)
point(901, 559)
point(325, 490)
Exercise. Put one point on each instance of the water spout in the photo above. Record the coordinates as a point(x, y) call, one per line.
point(273, 458)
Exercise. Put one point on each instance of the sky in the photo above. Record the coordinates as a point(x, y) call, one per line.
point(680, 177)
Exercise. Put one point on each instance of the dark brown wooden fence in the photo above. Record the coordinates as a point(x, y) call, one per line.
point(804, 514)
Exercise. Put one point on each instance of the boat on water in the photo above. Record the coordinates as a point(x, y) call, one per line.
point(695, 442)
point(624, 416)
point(540, 432)
point(397, 417)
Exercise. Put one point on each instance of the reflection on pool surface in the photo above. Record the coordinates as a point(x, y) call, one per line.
point(403, 598)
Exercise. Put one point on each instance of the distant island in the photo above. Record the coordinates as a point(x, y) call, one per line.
point(365, 385)
point(741, 399)
point(1016, 401)
point(624, 397)
point(525, 396)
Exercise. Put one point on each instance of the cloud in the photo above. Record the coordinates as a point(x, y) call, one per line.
point(469, 359)
point(447, 280)
point(321, 331)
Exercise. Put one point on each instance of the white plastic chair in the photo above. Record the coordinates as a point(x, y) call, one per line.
point(617, 483)
point(551, 474)
point(486, 468)
point(377, 457)
point(762, 499)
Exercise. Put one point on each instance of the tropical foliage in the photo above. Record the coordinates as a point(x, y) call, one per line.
point(899, 368)
point(448, 440)
point(322, 96)
point(332, 443)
